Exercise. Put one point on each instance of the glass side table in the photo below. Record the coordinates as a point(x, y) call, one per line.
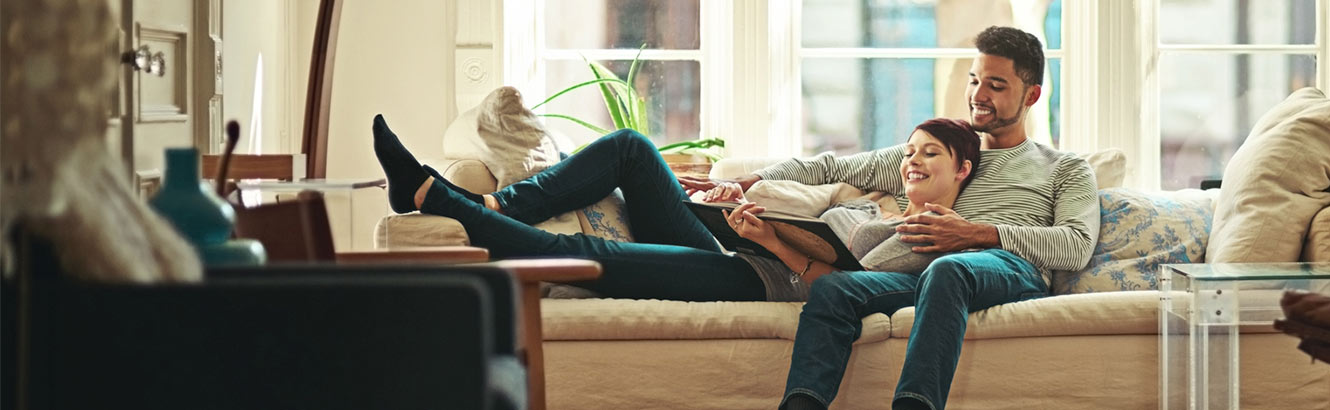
point(1202, 308)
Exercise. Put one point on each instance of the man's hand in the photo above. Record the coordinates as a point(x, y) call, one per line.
point(947, 231)
point(692, 185)
point(725, 191)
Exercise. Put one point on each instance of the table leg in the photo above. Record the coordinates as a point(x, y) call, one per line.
point(532, 340)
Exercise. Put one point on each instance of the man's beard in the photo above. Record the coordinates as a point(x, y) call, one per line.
point(998, 122)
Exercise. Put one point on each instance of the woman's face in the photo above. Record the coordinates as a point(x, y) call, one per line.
point(929, 169)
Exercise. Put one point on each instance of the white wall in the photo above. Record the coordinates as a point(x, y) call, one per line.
point(251, 28)
point(393, 57)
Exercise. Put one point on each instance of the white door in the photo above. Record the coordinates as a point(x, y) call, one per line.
point(169, 94)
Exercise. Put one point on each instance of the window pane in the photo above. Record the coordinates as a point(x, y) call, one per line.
point(916, 23)
point(670, 87)
point(1209, 103)
point(600, 24)
point(1237, 22)
point(854, 105)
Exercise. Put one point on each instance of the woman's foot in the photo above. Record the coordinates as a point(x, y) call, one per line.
point(401, 168)
point(465, 193)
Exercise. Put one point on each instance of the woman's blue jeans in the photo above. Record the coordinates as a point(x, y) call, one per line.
point(943, 296)
point(675, 257)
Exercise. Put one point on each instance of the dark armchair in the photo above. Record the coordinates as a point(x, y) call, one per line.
point(310, 336)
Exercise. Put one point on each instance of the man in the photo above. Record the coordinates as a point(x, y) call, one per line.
point(1030, 210)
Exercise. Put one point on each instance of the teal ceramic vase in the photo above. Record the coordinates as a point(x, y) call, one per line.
point(199, 215)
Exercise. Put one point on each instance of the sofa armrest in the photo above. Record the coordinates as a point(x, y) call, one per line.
point(419, 230)
point(470, 174)
point(736, 167)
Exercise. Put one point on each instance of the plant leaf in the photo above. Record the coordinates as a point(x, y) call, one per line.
point(638, 110)
point(579, 121)
point(641, 114)
point(611, 101)
point(702, 143)
point(623, 95)
point(574, 87)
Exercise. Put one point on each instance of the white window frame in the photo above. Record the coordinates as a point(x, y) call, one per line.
point(750, 57)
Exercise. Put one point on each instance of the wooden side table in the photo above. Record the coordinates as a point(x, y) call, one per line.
point(427, 254)
point(529, 273)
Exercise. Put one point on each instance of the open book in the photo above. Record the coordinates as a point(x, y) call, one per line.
point(811, 236)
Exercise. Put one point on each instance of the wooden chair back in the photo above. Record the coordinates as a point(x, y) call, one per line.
point(318, 100)
point(291, 231)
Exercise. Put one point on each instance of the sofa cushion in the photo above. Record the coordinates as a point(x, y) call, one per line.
point(1106, 313)
point(1275, 183)
point(1317, 245)
point(623, 319)
point(1138, 232)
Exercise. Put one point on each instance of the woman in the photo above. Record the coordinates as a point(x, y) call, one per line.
point(675, 256)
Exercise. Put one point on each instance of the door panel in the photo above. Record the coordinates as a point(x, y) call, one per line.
point(163, 97)
point(167, 94)
point(163, 113)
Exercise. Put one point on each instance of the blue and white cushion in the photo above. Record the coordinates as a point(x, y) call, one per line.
point(1138, 232)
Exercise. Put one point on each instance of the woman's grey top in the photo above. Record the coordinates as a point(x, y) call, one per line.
point(872, 240)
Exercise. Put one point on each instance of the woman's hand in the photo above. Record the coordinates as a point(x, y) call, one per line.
point(745, 222)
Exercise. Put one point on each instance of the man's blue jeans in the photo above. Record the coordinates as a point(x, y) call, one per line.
point(943, 296)
point(675, 257)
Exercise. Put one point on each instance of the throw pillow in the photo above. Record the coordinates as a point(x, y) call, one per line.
point(513, 145)
point(1138, 232)
point(1109, 165)
point(508, 137)
point(808, 200)
point(1275, 183)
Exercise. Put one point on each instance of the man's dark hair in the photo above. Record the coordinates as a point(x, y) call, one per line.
point(1021, 47)
point(958, 137)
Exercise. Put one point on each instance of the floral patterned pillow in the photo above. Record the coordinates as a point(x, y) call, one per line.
point(1139, 231)
point(607, 219)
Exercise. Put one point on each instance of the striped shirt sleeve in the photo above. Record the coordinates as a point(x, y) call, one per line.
point(1069, 242)
point(877, 170)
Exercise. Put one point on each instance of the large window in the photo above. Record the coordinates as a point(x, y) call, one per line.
point(874, 69)
point(1216, 79)
point(610, 32)
point(1175, 84)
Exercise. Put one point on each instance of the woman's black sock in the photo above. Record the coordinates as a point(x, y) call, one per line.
point(477, 198)
point(800, 401)
point(403, 171)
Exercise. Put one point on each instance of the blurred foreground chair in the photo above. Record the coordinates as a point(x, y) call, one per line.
point(298, 231)
point(298, 336)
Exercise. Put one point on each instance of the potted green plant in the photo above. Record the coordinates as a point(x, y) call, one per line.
point(627, 109)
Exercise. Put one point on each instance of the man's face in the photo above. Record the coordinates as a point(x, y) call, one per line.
point(997, 97)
